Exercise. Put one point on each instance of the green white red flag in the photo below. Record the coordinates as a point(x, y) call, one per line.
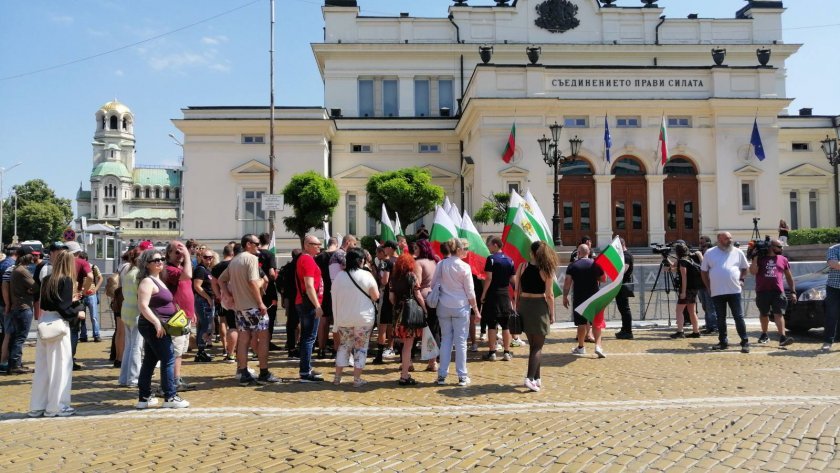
point(510, 148)
point(532, 206)
point(478, 252)
point(663, 140)
point(446, 204)
point(611, 260)
point(398, 230)
point(514, 203)
point(272, 246)
point(454, 214)
point(522, 232)
point(386, 229)
point(443, 230)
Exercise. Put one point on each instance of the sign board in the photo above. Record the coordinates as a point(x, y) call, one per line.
point(272, 203)
point(84, 223)
point(69, 235)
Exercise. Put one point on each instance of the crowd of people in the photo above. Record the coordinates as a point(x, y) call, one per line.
point(336, 297)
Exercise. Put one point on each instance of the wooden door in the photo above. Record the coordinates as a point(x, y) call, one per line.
point(629, 209)
point(577, 208)
point(681, 209)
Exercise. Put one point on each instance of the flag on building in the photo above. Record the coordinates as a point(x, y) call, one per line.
point(510, 148)
point(478, 252)
point(611, 260)
point(398, 230)
point(755, 141)
point(386, 229)
point(663, 140)
point(607, 137)
point(455, 215)
point(442, 230)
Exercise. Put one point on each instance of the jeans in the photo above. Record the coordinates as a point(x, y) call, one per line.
point(291, 327)
point(734, 302)
point(708, 308)
point(75, 326)
point(92, 304)
point(454, 324)
point(622, 302)
point(832, 313)
point(204, 312)
point(21, 320)
point(131, 356)
point(308, 333)
point(156, 349)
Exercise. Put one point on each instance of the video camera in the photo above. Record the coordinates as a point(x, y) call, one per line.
point(660, 249)
point(758, 248)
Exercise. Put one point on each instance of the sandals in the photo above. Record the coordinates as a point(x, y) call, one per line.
point(407, 381)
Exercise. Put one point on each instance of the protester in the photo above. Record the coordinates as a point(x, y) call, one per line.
point(405, 285)
point(495, 298)
point(323, 261)
point(155, 303)
point(582, 278)
point(703, 293)
point(354, 295)
point(783, 232)
point(178, 278)
point(227, 317)
point(21, 292)
point(288, 293)
point(424, 265)
point(690, 282)
point(205, 303)
point(308, 301)
point(6, 265)
point(622, 299)
point(129, 314)
point(723, 271)
point(535, 304)
point(268, 265)
point(385, 255)
point(84, 276)
point(770, 296)
point(90, 297)
point(832, 297)
point(457, 299)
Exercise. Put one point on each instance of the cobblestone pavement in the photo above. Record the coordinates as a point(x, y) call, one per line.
point(652, 404)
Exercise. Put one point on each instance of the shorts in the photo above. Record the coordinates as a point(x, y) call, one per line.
point(770, 302)
point(598, 322)
point(229, 317)
point(690, 297)
point(181, 343)
point(250, 319)
point(386, 313)
point(496, 309)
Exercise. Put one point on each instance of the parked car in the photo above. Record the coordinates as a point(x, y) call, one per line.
point(809, 310)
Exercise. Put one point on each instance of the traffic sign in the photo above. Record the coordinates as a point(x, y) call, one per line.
point(272, 202)
point(69, 235)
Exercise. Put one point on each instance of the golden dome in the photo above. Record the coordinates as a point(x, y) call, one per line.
point(115, 106)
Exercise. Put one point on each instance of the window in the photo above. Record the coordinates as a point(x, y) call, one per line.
point(747, 195)
point(429, 148)
point(99, 251)
point(148, 192)
point(136, 192)
point(627, 122)
point(445, 95)
point(253, 216)
point(679, 122)
point(352, 211)
point(114, 210)
point(253, 139)
point(513, 186)
point(794, 210)
point(390, 98)
point(167, 193)
point(361, 148)
point(114, 123)
point(177, 193)
point(812, 208)
point(576, 122)
point(421, 98)
point(157, 192)
point(366, 98)
point(138, 224)
point(155, 223)
point(801, 147)
point(106, 210)
point(173, 225)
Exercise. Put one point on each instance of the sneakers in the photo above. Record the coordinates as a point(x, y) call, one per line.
point(745, 346)
point(145, 403)
point(763, 339)
point(35, 413)
point(464, 380)
point(678, 335)
point(358, 382)
point(268, 378)
point(228, 358)
point(693, 335)
point(708, 331)
point(489, 357)
point(499, 346)
point(622, 335)
point(483, 337)
point(517, 342)
point(474, 347)
point(294, 354)
point(175, 402)
point(507, 356)
point(97, 339)
point(203, 357)
point(720, 346)
point(311, 377)
point(441, 380)
point(388, 353)
point(251, 373)
point(600, 352)
point(826, 347)
point(785, 341)
point(184, 386)
point(336, 380)
point(538, 382)
point(65, 411)
point(530, 384)
point(579, 351)
point(247, 379)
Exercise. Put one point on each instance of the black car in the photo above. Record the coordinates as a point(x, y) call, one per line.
point(809, 309)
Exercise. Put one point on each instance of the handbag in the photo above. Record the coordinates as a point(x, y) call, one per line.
point(176, 326)
point(433, 297)
point(515, 323)
point(411, 315)
point(53, 330)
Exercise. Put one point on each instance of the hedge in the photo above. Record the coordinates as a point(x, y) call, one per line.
point(813, 236)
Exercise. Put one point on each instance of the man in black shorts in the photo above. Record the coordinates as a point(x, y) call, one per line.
point(495, 298)
point(769, 270)
point(227, 315)
point(583, 277)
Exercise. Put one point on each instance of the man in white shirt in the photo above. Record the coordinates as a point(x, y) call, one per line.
point(723, 271)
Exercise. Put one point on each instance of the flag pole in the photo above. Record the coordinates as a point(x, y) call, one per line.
point(271, 121)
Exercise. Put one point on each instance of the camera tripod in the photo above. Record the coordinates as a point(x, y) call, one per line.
point(756, 235)
point(668, 284)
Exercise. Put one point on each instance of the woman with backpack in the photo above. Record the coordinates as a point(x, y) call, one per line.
point(405, 287)
point(690, 282)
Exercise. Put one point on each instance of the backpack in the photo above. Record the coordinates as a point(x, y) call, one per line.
point(692, 274)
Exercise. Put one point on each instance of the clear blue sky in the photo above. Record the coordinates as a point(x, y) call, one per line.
point(47, 118)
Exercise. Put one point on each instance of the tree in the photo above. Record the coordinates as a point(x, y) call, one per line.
point(313, 198)
point(408, 192)
point(41, 214)
point(494, 209)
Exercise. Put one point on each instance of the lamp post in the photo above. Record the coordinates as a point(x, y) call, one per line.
point(15, 236)
point(553, 156)
point(2, 177)
point(829, 147)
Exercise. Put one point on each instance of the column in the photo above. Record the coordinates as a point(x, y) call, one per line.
point(603, 209)
point(656, 208)
point(708, 205)
point(339, 216)
point(361, 215)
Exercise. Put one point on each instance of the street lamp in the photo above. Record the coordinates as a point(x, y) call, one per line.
point(2, 177)
point(553, 156)
point(829, 147)
point(15, 236)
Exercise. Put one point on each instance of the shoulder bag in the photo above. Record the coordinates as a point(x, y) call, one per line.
point(412, 315)
point(53, 330)
point(433, 297)
point(375, 309)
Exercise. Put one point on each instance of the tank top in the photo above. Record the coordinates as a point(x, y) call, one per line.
point(531, 280)
point(161, 303)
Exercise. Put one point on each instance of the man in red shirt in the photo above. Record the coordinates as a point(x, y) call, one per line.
point(308, 305)
point(178, 279)
point(84, 276)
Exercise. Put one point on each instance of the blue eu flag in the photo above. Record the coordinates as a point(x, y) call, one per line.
point(607, 137)
point(755, 141)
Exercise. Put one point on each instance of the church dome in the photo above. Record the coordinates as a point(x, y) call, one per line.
point(114, 106)
point(110, 168)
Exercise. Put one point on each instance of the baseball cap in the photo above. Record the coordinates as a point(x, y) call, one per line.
point(57, 245)
point(73, 247)
point(145, 245)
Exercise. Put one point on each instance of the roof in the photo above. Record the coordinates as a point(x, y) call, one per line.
point(115, 106)
point(152, 214)
point(83, 195)
point(110, 168)
point(157, 177)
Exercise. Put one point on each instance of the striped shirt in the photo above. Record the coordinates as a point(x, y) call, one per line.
point(834, 274)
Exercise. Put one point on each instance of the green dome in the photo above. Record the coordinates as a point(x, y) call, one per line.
point(110, 168)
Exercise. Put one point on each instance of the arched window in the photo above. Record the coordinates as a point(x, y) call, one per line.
point(167, 192)
point(157, 192)
point(627, 166)
point(679, 167)
point(578, 167)
point(125, 123)
point(114, 123)
point(137, 192)
point(177, 192)
point(148, 192)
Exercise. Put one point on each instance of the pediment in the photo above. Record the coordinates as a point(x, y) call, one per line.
point(806, 170)
point(251, 167)
point(439, 173)
point(513, 172)
point(357, 172)
point(748, 170)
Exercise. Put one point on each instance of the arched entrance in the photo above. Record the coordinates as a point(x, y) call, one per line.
point(629, 201)
point(681, 201)
point(577, 201)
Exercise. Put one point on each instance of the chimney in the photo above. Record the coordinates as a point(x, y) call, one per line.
point(806, 112)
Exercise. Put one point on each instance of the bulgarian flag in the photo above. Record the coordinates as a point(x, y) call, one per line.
point(455, 215)
point(522, 232)
point(272, 246)
point(446, 204)
point(532, 206)
point(511, 145)
point(443, 230)
point(514, 203)
point(386, 230)
point(398, 230)
point(611, 260)
point(663, 140)
point(478, 252)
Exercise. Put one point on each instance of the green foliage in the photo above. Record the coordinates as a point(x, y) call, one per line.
point(41, 214)
point(313, 198)
point(408, 192)
point(494, 209)
point(369, 243)
point(813, 236)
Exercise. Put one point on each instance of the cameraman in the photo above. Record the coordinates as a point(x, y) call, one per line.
point(768, 265)
point(703, 293)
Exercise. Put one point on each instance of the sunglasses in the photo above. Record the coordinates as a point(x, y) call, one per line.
point(207, 257)
point(254, 242)
point(157, 260)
